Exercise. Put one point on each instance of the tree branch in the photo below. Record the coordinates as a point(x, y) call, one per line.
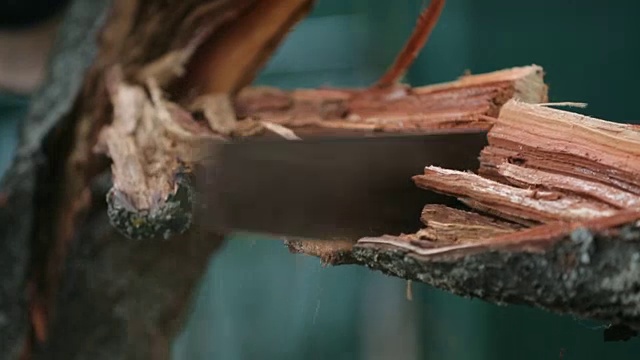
point(562, 186)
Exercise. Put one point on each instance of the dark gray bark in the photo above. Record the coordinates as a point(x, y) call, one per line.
point(123, 299)
point(588, 274)
point(74, 51)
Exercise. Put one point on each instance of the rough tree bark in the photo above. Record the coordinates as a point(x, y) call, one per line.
point(71, 288)
point(100, 246)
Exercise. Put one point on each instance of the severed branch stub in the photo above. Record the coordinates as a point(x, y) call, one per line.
point(150, 140)
point(553, 219)
point(155, 137)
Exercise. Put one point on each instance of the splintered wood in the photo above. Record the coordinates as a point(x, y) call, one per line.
point(444, 224)
point(464, 103)
point(147, 136)
point(542, 167)
point(151, 137)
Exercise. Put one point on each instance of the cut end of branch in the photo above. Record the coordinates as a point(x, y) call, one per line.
point(555, 210)
point(149, 141)
point(534, 169)
point(172, 216)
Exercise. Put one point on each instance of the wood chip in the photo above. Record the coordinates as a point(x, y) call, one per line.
point(280, 130)
point(535, 205)
point(526, 177)
point(448, 225)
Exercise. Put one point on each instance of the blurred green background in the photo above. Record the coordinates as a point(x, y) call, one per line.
point(257, 301)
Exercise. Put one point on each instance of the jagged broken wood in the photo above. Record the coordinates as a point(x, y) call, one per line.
point(151, 139)
point(554, 219)
point(163, 135)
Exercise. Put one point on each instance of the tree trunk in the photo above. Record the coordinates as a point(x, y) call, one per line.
point(73, 286)
point(99, 239)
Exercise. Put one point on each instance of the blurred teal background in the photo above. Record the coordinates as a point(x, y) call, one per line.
point(12, 109)
point(257, 301)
